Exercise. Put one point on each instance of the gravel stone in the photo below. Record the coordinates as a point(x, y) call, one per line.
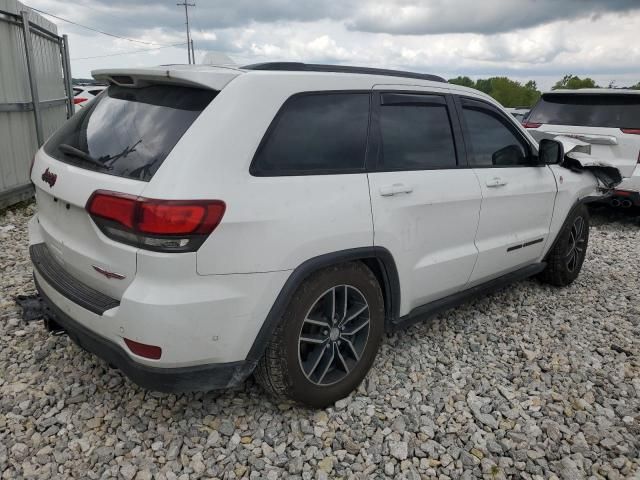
point(530, 382)
point(399, 450)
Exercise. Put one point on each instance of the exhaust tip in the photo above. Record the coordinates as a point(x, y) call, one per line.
point(614, 202)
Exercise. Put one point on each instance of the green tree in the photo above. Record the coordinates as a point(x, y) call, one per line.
point(463, 81)
point(513, 94)
point(484, 85)
point(574, 82)
point(636, 86)
point(508, 92)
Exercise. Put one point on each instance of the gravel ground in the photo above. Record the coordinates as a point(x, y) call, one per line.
point(531, 382)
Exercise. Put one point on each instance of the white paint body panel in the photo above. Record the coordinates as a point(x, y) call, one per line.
point(517, 212)
point(609, 144)
point(70, 233)
point(195, 319)
point(430, 232)
point(208, 306)
point(623, 154)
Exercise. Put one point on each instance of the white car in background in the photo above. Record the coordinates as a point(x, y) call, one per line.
point(198, 224)
point(519, 113)
point(83, 94)
point(608, 119)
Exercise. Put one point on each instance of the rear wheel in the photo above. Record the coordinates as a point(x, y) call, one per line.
point(567, 256)
point(328, 338)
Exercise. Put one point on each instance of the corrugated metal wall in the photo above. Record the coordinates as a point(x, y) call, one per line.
point(18, 139)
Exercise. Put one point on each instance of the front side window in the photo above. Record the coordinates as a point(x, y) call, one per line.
point(493, 144)
point(316, 133)
point(415, 135)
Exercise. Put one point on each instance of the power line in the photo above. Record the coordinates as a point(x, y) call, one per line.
point(186, 6)
point(131, 52)
point(98, 31)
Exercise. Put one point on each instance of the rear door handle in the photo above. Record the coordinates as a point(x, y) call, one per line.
point(496, 182)
point(395, 189)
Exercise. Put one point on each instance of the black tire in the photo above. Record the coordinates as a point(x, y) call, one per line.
point(565, 259)
point(288, 358)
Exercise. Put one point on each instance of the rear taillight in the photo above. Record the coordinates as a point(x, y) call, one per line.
point(160, 225)
point(531, 125)
point(78, 100)
point(631, 131)
point(144, 350)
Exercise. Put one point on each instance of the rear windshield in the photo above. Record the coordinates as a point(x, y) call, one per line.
point(128, 132)
point(598, 110)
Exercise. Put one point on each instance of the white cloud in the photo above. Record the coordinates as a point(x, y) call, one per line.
point(602, 46)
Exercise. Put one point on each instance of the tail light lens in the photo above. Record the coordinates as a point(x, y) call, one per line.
point(78, 100)
point(159, 225)
point(143, 350)
point(631, 131)
point(531, 125)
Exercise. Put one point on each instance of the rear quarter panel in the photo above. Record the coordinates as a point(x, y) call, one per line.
point(271, 223)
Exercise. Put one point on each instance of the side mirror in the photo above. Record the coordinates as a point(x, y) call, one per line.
point(550, 152)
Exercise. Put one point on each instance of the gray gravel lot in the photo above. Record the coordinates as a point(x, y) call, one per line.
point(531, 382)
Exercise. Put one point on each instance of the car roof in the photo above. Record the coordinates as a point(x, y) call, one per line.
point(599, 91)
point(318, 67)
point(218, 76)
point(204, 74)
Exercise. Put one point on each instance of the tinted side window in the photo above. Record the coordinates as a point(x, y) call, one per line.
point(316, 133)
point(492, 142)
point(416, 137)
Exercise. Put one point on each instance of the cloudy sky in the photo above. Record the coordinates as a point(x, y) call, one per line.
point(522, 39)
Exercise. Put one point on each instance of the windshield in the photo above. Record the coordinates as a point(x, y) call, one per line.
point(128, 132)
point(589, 110)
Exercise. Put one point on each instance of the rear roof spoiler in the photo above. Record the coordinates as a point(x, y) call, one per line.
point(215, 78)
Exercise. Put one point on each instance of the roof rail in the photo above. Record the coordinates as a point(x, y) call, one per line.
point(317, 67)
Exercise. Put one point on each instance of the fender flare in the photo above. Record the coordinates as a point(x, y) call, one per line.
point(581, 201)
point(390, 286)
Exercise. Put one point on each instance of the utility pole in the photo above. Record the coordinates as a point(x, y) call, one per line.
point(186, 6)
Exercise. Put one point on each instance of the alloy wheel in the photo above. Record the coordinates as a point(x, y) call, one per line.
point(576, 247)
point(333, 335)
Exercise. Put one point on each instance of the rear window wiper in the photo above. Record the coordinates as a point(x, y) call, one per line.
point(77, 153)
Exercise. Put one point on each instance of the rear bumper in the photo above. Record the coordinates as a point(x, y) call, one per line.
point(633, 196)
point(623, 198)
point(205, 325)
point(174, 380)
point(632, 184)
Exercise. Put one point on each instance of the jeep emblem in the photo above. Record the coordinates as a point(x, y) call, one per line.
point(49, 177)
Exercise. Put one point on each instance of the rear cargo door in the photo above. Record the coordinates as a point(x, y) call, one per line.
point(116, 144)
point(609, 122)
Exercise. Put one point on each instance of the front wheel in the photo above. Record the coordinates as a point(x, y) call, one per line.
point(565, 259)
point(328, 338)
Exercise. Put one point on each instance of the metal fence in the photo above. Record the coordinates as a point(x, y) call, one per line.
point(35, 93)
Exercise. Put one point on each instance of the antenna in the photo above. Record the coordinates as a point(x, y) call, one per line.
point(190, 53)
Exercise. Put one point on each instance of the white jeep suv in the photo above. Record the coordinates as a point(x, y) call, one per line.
point(197, 224)
point(606, 118)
